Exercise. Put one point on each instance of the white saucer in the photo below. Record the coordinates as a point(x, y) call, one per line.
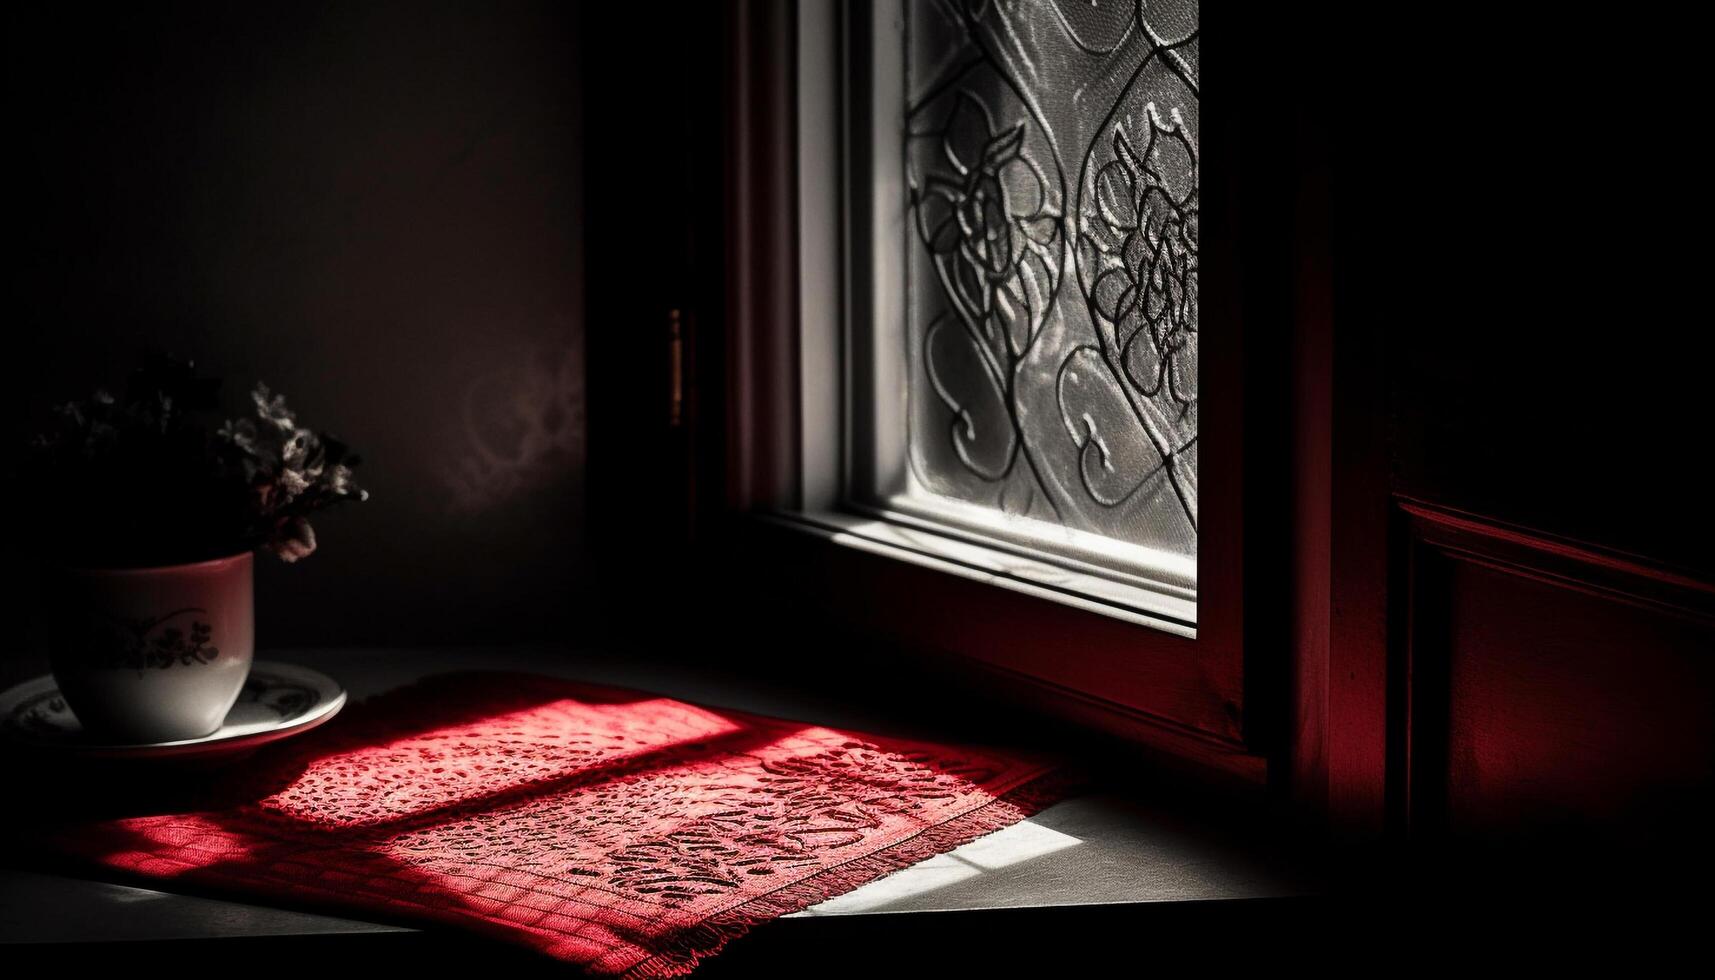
point(278, 701)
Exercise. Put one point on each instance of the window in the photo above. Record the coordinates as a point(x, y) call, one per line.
point(998, 347)
point(1030, 376)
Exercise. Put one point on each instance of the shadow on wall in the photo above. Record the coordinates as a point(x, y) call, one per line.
point(523, 429)
point(377, 210)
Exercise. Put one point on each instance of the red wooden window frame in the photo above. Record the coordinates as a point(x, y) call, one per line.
point(1220, 700)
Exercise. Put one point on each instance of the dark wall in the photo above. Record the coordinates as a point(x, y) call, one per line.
point(1516, 218)
point(376, 209)
point(1520, 225)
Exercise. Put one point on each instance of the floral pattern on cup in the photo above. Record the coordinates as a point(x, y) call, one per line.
point(177, 638)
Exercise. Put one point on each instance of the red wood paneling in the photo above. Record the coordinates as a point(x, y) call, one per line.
point(1563, 705)
point(1551, 683)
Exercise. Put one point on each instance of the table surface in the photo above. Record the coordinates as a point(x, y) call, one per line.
point(1102, 848)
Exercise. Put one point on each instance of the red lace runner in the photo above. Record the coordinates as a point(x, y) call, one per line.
point(626, 832)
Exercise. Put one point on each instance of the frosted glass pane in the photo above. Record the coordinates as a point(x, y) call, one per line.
point(1051, 172)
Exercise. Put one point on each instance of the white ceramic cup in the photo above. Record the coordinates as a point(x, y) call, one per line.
point(158, 654)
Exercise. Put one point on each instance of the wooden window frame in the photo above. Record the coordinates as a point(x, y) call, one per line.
point(1217, 697)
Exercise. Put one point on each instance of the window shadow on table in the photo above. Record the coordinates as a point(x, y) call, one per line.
point(334, 821)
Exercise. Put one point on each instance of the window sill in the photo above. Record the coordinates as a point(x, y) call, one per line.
point(898, 535)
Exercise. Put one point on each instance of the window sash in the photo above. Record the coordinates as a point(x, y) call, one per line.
point(1172, 678)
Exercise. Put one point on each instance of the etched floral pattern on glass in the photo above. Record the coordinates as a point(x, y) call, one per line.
point(1052, 178)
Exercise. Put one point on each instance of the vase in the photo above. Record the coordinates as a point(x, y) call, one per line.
point(144, 655)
